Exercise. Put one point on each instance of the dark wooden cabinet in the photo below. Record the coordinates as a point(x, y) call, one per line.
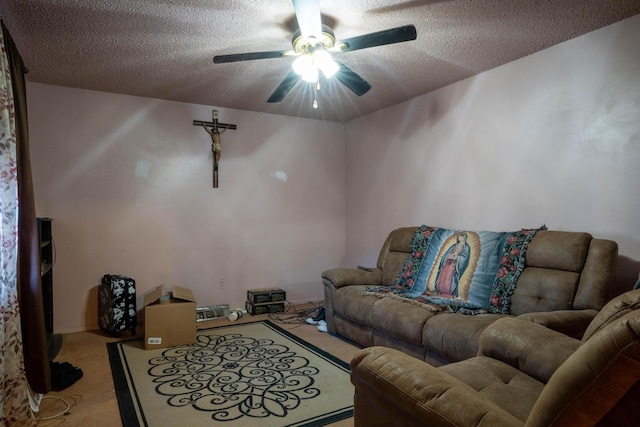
point(47, 259)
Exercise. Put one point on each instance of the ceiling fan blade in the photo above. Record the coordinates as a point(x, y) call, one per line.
point(353, 81)
point(221, 59)
point(283, 88)
point(308, 16)
point(393, 35)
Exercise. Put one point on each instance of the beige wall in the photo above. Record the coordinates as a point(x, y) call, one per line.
point(553, 138)
point(128, 183)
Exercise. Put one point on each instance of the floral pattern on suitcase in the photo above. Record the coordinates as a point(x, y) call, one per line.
point(117, 304)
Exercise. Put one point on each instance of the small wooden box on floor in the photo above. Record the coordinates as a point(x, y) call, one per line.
point(169, 317)
point(265, 300)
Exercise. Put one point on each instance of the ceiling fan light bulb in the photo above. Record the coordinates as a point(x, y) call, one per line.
point(326, 63)
point(305, 67)
point(302, 64)
point(310, 75)
point(330, 69)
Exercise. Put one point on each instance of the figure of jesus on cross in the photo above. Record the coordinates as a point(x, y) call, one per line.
point(216, 145)
point(213, 129)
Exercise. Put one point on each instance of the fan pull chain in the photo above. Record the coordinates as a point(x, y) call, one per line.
point(315, 94)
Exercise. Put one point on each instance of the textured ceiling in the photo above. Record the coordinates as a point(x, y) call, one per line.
point(164, 48)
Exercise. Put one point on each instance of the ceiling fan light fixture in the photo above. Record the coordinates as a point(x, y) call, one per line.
point(308, 65)
point(325, 62)
point(305, 67)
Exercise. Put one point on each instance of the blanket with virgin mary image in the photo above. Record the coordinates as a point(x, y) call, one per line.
point(462, 271)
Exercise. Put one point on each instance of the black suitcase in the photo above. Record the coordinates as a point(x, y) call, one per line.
point(117, 304)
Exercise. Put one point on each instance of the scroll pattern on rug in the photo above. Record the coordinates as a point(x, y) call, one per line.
point(448, 271)
point(234, 376)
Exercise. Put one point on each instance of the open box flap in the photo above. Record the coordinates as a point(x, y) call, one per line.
point(183, 294)
point(154, 295)
point(160, 294)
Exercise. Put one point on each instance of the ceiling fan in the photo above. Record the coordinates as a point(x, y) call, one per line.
point(313, 44)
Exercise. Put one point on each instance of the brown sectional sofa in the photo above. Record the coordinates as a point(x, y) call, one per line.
point(525, 375)
point(565, 282)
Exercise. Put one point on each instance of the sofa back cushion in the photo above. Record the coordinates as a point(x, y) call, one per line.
point(394, 252)
point(564, 270)
point(552, 273)
point(614, 309)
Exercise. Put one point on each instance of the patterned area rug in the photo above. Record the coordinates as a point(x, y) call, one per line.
point(252, 374)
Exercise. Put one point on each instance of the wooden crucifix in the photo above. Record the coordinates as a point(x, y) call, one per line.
point(213, 129)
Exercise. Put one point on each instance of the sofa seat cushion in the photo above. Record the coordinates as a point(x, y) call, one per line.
point(349, 303)
point(400, 318)
point(395, 389)
point(456, 336)
point(506, 386)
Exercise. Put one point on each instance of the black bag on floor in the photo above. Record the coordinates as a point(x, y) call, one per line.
point(63, 374)
point(117, 304)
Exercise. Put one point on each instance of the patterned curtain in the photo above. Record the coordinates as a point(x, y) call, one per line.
point(14, 400)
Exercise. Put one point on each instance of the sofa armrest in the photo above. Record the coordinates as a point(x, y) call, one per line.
point(388, 381)
point(528, 347)
point(569, 322)
point(339, 277)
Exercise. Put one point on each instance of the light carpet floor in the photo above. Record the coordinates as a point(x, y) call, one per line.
point(93, 400)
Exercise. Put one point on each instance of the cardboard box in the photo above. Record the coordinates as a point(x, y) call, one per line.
point(169, 317)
